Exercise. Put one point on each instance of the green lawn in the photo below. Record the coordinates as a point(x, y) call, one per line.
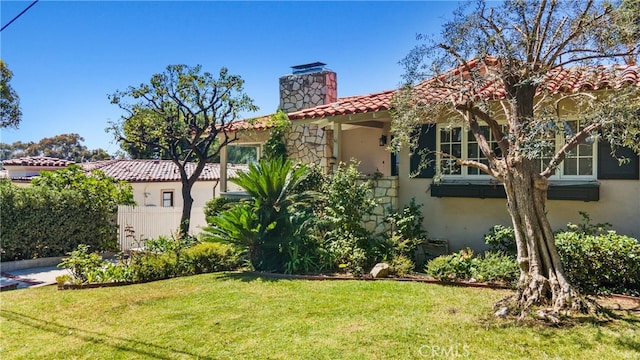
point(232, 316)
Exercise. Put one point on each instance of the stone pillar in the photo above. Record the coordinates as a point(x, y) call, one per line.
point(385, 192)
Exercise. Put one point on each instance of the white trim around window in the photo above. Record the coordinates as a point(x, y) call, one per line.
point(168, 198)
point(580, 164)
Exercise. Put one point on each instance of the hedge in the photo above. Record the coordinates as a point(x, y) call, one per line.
point(39, 222)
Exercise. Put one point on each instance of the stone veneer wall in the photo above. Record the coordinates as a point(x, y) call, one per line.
point(303, 91)
point(385, 191)
point(310, 144)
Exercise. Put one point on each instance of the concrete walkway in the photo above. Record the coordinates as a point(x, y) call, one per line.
point(31, 277)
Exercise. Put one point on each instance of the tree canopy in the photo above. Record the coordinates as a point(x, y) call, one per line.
point(10, 113)
point(184, 114)
point(63, 146)
point(498, 71)
point(96, 187)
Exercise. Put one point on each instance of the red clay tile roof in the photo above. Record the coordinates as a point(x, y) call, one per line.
point(259, 123)
point(566, 80)
point(156, 170)
point(347, 106)
point(38, 161)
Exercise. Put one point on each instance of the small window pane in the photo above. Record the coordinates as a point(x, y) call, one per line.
point(570, 167)
point(167, 199)
point(585, 166)
point(474, 151)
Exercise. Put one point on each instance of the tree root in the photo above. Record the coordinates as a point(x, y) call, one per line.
point(551, 303)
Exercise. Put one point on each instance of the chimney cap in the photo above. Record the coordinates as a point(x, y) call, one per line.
point(305, 68)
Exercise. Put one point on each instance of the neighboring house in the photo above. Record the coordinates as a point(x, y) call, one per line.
point(157, 182)
point(460, 209)
point(22, 170)
point(157, 190)
point(156, 185)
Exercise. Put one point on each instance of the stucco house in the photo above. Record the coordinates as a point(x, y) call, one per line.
point(22, 170)
point(156, 189)
point(156, 183)
point(328, 129)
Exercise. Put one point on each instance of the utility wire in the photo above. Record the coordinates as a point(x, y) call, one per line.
point(17, 16)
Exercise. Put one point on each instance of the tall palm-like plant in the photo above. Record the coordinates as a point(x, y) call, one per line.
point(266, 225)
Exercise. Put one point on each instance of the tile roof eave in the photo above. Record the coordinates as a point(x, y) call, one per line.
point(146, 181)
point(565, 80)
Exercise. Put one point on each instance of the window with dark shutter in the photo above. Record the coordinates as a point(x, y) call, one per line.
point(424, 153)
point(610, 168)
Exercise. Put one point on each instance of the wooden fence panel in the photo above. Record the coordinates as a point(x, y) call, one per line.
point(151, 222)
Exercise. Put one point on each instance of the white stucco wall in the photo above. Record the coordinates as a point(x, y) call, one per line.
point(201, 192)
point(362, 144)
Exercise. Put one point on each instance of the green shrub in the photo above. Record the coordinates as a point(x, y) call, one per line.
point(496, 266)
point(313, 181)
point(401, 265)
point(211, 257)
point(406, 232)
point(348, 200)
point(81, 263)
point(594, 260)
point(458, 266)
point(493, 266)
point(502, 238)
point(165, 244)
point(346, 255)
point(61, 210)
point(113, 272)
point(217, 205)
point(150, 266)
point(601, 263)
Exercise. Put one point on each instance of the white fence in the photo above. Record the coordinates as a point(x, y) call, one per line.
point(151, 222)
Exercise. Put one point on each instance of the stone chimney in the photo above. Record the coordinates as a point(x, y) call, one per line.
point(308, 85)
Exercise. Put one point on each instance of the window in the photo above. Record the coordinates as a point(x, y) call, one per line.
point(451, 140)
point(579, 163)
point(243, 154)
point(167, 198)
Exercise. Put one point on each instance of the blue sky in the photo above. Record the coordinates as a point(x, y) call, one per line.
point(67, 57)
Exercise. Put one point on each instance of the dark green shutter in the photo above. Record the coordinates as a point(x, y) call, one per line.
point(426, 140)
point(609, 168)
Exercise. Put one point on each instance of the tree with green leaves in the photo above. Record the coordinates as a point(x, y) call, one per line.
point(63, 146)
point(10, 113)
point(504, 57)
point(181, 112)
point(96, 187)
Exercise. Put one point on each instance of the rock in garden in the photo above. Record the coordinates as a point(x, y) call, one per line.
point(502, 312)
point(381, 270)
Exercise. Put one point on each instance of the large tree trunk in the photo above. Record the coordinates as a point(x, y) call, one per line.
point(542, 278)
point(187, 204)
